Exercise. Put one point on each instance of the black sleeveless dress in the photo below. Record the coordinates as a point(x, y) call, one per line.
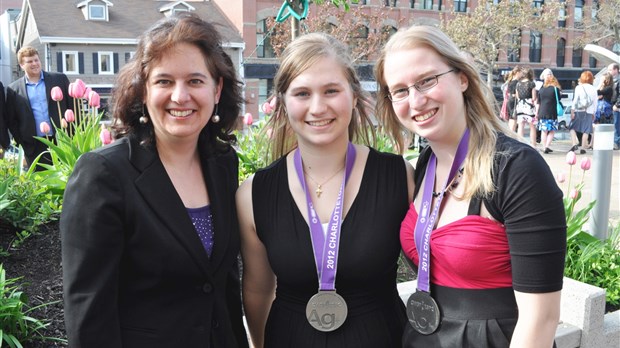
point(369, 250)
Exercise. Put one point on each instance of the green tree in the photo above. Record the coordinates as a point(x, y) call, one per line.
point(601, 24)
point(493, 28)
point(361, 28)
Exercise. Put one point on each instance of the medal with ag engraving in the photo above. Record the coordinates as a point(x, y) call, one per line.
point(423, 312)
point(326, 311)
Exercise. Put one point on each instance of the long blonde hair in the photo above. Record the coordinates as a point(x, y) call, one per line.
point(479, 111)
point(298, 56)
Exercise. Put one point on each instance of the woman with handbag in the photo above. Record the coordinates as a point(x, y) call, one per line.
point(582, 112)
point(526, 99)
point(605, 93)
point(548, 107)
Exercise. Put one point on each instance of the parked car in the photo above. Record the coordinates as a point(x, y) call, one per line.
point(564, 120)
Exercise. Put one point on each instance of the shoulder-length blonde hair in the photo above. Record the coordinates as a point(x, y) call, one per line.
point(298, 56)
point(480, 116)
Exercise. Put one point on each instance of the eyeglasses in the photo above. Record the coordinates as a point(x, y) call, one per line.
point(423, 85)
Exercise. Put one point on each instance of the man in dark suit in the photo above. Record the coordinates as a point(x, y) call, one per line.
point(29, 104)
point(4, 135)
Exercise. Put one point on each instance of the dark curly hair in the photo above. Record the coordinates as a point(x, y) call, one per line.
point(130, 87)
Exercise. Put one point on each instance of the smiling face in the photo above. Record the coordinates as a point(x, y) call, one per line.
point(437, 114)
point(181, 94)
point(31, 66)
point(319, 103)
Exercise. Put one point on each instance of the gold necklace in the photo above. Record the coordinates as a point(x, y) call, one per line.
point(319, 186)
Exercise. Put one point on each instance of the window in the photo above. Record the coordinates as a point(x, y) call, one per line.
point(427, 4)
point(106, 63)
point(411, 3)
point(592, 62)
point(538, 3)
point(560, 55)
point(388, 31)
point(535, 46)
point(70, 62)
point(577, 53)
point(514, 50)
point(97, 12)
point(460, 5)
point(578, 14)
point(358, 38)
point(390, 3)
point(562, 14)
point(263, 43)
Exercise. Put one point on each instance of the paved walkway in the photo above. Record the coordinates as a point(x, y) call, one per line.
point(557, 163)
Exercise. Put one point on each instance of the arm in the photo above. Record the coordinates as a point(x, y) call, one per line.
point(259, 281)
point(539, 315)
point(91, 228)
point(536, 231)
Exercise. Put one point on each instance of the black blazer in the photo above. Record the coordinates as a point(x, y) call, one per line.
point(4, 135)
point(134, 269)
point(20, 118)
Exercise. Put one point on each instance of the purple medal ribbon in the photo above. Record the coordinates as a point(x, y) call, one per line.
point(426, 223)
point(326, 249)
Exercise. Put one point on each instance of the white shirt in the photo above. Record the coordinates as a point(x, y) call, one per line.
point(581, 91)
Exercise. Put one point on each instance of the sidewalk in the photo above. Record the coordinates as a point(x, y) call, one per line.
point(557, 162)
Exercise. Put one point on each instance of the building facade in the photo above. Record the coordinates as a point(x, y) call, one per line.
point(538, 51)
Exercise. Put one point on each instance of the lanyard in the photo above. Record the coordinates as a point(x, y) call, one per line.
point(426, 223)
point(326, 247)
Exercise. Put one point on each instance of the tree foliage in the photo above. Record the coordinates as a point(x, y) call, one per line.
point(601, 24)
point(361, 28)
point(492, 28)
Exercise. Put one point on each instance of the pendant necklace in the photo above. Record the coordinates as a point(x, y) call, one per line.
point(319, 186)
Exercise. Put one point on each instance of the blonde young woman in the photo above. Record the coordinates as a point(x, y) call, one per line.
point(490, 252)
point(319, 250)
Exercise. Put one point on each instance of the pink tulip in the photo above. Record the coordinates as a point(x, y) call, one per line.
point(105, 136)
point(56, 93)
point(63, 123)
point(273, 102)
point(69, 115)
point(44, 127)
point(71, 89)
point(87, 92)
point(94, 100)
point(560, 177)
point(79, 89)
point(247, 119)
point(571, 158)
point(267, 108)
point(574, 193)
point(586, 163)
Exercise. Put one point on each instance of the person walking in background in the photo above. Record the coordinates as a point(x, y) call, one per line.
point(614, 70)
point(490, 252)
point(527, 98)
point(512, 97)
point(29, 105)
point(305, 222)
point(5, 140)
point(605, 91)
point(548, 97)
point(149, 230)
point(582, 112)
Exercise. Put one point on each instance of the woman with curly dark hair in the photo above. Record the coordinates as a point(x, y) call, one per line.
point(149, 227)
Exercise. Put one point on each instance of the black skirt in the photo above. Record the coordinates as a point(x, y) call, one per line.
point(469, 318)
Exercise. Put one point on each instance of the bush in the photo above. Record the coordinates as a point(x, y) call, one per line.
point(30, 204)
point(16, 326)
